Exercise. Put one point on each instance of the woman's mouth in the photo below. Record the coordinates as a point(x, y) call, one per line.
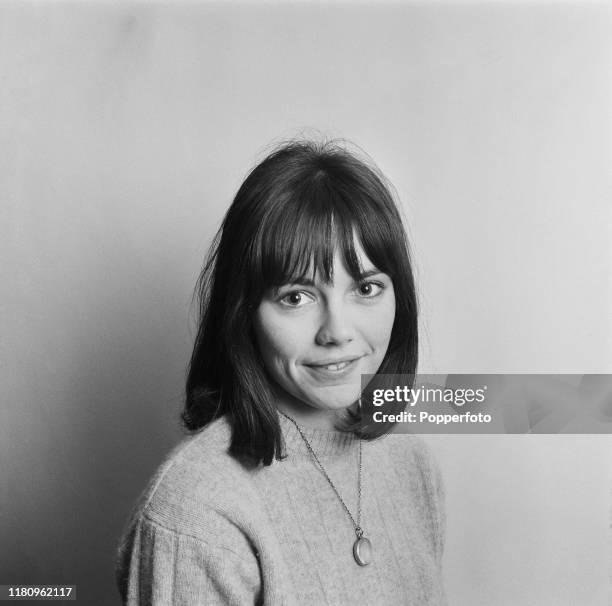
point(333, 367)
point(336, 366)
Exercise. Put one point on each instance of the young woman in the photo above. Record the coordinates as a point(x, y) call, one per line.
point(280, 496)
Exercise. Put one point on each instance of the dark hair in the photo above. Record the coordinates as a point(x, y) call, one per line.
point(293, 210)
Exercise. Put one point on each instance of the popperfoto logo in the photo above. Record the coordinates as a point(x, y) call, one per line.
point(404, 396)
point(492, 404)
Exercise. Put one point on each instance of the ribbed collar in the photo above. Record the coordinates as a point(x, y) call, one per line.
point(324, 443)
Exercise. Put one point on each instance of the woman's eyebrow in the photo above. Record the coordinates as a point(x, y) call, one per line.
point(299, 282)
point(291, 284)
point(370, 272)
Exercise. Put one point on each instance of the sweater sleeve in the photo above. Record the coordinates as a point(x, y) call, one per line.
point(158, 566)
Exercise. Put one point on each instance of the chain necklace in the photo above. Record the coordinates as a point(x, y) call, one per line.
point(362, 547)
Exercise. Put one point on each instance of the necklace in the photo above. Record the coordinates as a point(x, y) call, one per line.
point(362, 548)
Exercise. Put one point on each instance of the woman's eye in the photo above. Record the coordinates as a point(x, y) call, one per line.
point(370, 289)
point(295, 298)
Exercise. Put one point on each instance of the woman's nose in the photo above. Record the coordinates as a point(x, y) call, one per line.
point(336, 327)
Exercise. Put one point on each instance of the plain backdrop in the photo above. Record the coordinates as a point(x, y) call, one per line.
point(125, 130)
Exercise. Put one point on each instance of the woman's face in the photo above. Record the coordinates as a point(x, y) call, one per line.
point(318, 338)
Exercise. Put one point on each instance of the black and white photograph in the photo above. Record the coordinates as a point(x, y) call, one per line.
point(242, 241)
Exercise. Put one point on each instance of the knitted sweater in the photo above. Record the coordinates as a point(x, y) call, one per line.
point(209, 531)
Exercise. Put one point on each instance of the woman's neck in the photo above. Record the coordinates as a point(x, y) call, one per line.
point(309, 417)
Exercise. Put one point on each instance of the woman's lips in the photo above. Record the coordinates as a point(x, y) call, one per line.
point(337, 366)
point(333, 368)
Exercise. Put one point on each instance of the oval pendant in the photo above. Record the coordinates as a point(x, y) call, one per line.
point(362, 551)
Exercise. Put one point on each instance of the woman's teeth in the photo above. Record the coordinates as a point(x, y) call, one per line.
point(338, 366)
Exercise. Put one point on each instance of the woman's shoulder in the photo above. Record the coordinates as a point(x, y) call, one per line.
point(413, 461)
point(406, 447)
point(197, 482)
point(192, 523)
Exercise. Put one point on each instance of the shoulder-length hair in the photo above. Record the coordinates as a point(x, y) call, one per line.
point(295, 208)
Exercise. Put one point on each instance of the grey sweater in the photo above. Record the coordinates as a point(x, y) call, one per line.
point(209, 531)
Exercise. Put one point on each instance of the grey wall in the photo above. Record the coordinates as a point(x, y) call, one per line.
point(125, 129)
